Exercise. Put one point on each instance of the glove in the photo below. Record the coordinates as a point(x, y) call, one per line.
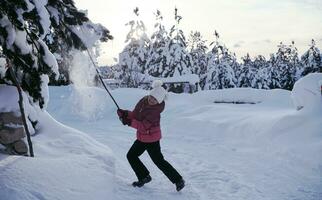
point(123, 114)
point(126, 121)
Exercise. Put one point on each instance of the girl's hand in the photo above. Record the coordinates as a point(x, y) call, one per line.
point(123, 116)
point(122, 113)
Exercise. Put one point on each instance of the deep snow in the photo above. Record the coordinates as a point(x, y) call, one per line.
point(262, 151)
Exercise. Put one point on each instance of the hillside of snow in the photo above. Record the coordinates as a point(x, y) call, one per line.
point(265, 150)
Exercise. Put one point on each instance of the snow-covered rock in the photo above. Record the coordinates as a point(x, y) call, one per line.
point(306, 93)
point(9, 98)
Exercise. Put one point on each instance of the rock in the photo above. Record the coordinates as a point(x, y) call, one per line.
point(10, 118)
point(10, 135)
point(20, 147)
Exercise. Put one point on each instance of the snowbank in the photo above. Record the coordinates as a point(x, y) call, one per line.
point(68, 164)
point(241, 95)
point(276, 97)
point(307, 94)
point(263, 151)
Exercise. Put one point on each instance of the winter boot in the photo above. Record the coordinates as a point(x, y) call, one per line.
point(180, 185)
point(140, 183)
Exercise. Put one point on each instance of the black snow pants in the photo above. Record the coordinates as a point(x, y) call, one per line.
point(154, 151)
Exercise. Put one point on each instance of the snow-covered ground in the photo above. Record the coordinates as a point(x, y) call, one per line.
point(263, 151)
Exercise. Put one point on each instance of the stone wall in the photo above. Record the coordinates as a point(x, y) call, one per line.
point(12, 133)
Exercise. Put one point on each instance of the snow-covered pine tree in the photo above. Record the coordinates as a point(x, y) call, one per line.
point(133, 58)
point(247, 74)
point(197, 50)
point(156, 60)
point(23, 26)
point(273, 73)
point(284, 59)
point(261, 77)
point(312, 60)
point(178, 60)
point(72, 30)
point(228, 62)
point(295, 62)
point(236, 66)
point(220, 73)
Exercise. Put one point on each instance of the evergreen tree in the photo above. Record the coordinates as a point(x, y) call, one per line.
point(284, 64)
point(311, 60)
point(236, 66)
point(26, 27)
point(220, 73)
point(295, 62)
point(197, 50)
point(261, 80)
point(156, 62)
point(247, 73)
point(228, 62)
point(23, 26)
point(273, 73)
point(178, 61)
point(134, 55)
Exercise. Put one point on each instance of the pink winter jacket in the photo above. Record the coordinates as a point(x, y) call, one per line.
point(146, 120)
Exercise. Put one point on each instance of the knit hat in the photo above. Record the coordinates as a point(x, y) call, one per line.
point(158, 92)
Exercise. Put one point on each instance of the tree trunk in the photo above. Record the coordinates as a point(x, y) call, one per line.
point(22, 110)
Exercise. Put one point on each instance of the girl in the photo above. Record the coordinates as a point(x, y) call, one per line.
point(145, 118)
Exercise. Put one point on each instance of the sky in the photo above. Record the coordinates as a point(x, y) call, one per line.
point(245, 26)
